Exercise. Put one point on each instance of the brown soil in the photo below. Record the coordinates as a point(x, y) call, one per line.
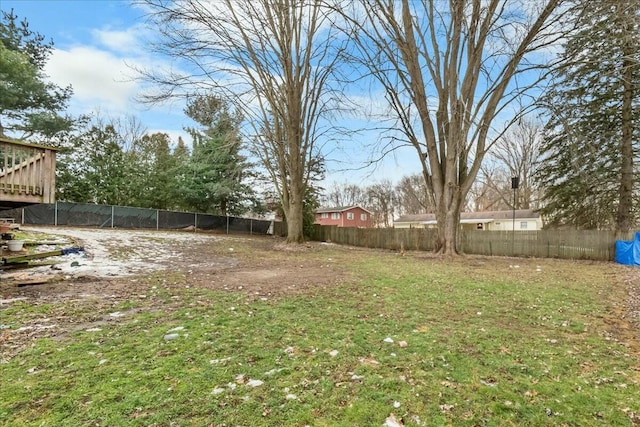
point(262, 267)
point(202, 267)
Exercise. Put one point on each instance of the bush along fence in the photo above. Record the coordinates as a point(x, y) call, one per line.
point(568, 244)
point(91, 215)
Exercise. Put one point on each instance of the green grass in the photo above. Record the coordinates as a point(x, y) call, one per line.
point(486, 345)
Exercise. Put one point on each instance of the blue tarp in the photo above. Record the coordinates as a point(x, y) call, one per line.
point(628, 251)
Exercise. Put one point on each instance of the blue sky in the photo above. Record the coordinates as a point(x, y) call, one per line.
point(95, 41)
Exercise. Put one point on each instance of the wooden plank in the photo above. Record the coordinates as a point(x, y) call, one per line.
point(58, 252)
point(13, 162)
point(48, 174)
point(26, 282)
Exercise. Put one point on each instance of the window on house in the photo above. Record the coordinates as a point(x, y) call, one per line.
point(325, 215)
point(335, 215)
point(350, 215)
point(523, 225)
point(363, 217)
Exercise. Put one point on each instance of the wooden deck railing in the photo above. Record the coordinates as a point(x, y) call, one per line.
point(27, 173)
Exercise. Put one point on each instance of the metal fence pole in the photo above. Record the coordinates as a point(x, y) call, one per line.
point(55, 214)
point(227, 224)
point(195, 222)
point(112, 212)
point(157, 219)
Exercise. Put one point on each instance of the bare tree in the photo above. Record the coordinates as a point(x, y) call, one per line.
point(412, 196)
point(450, 71)
point(273, 59)
point(491, 190)
point(516, 154)
point(344, 195)
point(381, 202)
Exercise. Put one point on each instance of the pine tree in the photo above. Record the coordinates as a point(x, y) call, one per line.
point(157, 170)
point(29, 104)
point(215, 176)
point(586, 166)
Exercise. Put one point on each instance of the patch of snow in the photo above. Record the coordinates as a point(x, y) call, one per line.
point(142, 250)
point(255, 383)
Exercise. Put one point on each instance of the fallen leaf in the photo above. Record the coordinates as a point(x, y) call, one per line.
point(368, 361)
point(392, 421)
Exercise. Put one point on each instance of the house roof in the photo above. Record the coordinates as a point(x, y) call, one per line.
point(340, 209)
point(470, 217)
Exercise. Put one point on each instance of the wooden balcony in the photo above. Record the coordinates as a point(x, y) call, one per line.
point(27, 174)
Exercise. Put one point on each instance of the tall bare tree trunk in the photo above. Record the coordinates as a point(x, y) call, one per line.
point(275, 60)
point(294, 222)
point(449, 70)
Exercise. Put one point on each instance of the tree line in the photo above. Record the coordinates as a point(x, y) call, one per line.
point(480, 91)
point(114, 161)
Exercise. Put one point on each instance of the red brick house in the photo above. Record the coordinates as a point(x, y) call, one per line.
point(344, 216)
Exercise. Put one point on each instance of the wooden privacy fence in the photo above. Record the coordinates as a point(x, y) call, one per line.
point(568, 244)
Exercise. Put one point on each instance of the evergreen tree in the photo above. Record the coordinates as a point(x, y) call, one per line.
point(214, 178)
point(154, 171)
point(95, 170)
point(586, 167)
point(29, 104)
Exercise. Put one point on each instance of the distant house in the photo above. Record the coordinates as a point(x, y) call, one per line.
point(525, 220)
point(344, 216)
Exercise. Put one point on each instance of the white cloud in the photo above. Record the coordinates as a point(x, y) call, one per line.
point(98, 78)
point(128, 41)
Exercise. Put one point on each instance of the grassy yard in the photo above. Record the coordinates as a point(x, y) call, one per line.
point(469, 342)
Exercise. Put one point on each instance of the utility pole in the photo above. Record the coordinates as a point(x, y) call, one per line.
point(515, 182)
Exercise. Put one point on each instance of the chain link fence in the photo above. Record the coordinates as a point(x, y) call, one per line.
point(108, 216)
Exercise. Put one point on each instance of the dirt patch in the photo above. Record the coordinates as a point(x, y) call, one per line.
point(121, 266)
point(116, 262)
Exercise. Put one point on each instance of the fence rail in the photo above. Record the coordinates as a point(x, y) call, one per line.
point(92, 215)
point(569, 244)
point(27, 173)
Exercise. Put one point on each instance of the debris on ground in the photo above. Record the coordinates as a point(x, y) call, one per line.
point(18, 259)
